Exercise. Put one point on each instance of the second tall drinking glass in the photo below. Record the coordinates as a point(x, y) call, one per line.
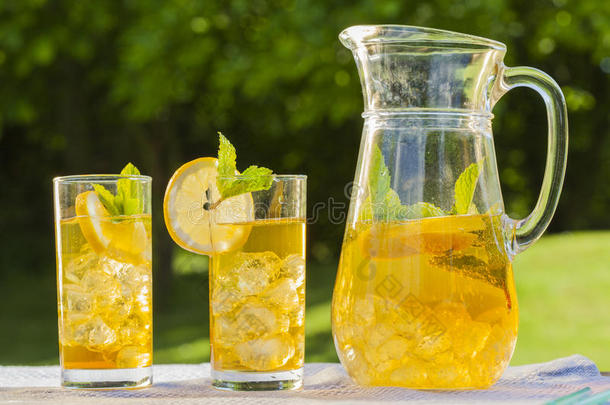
point(257, 292)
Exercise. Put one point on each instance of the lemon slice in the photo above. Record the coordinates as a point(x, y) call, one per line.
point(189, 222)
point(93, 219)
point(433, 235)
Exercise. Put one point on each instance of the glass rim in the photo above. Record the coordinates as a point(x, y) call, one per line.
point(87, 178)
point(357, 35)
point(283, 177)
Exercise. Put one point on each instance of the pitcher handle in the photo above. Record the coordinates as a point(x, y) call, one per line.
point(522, 233)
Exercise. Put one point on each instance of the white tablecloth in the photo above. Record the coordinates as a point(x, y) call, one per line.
point(324, 383)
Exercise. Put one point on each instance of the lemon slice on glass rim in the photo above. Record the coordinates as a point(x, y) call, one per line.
point(190, 222)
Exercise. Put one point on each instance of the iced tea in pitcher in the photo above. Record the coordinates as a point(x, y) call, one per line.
point(425, 302)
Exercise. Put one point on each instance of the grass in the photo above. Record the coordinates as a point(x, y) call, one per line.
point(563, 284)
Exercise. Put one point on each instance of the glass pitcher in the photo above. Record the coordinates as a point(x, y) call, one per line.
point(424, 296)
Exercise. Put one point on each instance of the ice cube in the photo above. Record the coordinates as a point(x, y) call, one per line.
point(471, 339)
point(297, 317)
point(428, 347)
point(143, 301)
point(135, 329)
point(250, 273)
point(394, 348)
point(413, 373)
point(283, 294)
point(223, 332)
point(384, 346)
point(76, 268)
point(132, 357)
point(105, 289)
point(69, 334)
point(133, 277)
point(78, 335)
point(364, 310)
point(119, 309)
point(96, 280)
point(468, 336)
point(224, 300)
point(449, 375)
point(299, 347)
point(100, 335)
point(293, 267)
point(254, 320)
point(94, 334)
point(225, 359)
point(110, 266)
point(357, 366)
point(378, 334)
point(490, 361)
point(76, 301)
point(266, 353)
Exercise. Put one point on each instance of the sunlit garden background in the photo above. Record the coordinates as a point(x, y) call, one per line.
point(86, 87)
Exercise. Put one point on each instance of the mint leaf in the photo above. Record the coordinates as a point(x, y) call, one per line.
point(389, 208)
point(379, 178)
point(229, 183)
point(107, 199)
point(465, 186)
point(128, 199)
point(130, 170)
point(423, 210)
point(254, 178)
point(132, 206)
point(383, 202)
point(226, 157)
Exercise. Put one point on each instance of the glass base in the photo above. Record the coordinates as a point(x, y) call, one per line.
point(107, 378)
point(257, 381)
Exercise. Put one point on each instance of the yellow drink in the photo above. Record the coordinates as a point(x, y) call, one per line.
point(105, 296)
point(427, 303)
point(257, 299)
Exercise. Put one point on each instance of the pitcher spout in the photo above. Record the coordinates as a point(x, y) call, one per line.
point(403, 67)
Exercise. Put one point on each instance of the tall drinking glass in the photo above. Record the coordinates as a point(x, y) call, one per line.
point(257, 292)
point(104, 281)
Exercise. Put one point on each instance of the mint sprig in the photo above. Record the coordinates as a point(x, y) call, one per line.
point(107, 199)
point(128, 199)
point(464, 188)
point(384, 203)
point(229, 183)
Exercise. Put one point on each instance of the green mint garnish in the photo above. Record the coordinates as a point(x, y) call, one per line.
point(384, 203)
point(128, 199)
point(107, 199)
point(424, 210)
point(379, 184)
point(128, 192)
point(229, 184)
point(464, 188)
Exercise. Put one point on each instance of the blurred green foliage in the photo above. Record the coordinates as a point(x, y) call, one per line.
point(87, 86)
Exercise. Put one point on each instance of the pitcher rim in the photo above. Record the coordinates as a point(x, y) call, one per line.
point(356, 35)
